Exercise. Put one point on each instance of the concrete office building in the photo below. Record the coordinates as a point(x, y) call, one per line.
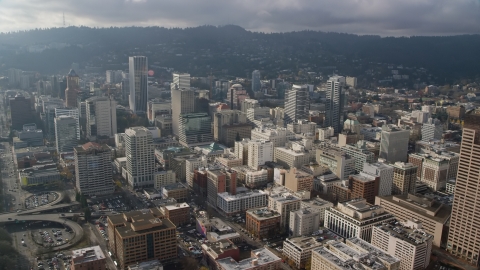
point(93, 169)
point(297, 180)
point(101, 114)
point(163, 178)
point(241, 150)
point(20, 111)
point(360, 153)
point(296, 104)
point(355, 218)
point(302, 126)
point(259, 152)
point(178, 214)
point(299, 249)
point(262, 222)
point(192, 164)
point(66, 133)
point(140, 157)
point(394, 143)
point(228, 125)
point(139, 236)
point(236, 95)
point(432, 130)
point(335, 101)
point(283, 203)
point(431, 213)
point(30, 135)
point(74, 112)
point(408, 242)
point(385, 174)
point(435, 169)
point(249, 104)
point(337, 161)
point(183, 102)
point(404, 178)
point(278, 136)
point(317, 205)
point(220, 181)
point(325, 133)
point(353, 254)
point(464, 234)
point(290, 158)
point(138, 81)
point(88, 258)
point(230, 205)
point(304, 221)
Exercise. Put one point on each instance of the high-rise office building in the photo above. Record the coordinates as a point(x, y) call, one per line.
point(227, 124)
point(259, 152)
point(296, 104)
point(384, 172)
point(256, 85)
point(464, 234)
point(66, 133)
point(138, 81)
point(236, 95)
point(180, 81)
point(69, 112)
point(335, 102)
point(72, 90)
point(101, 116)
point(183, 102)
point(432, 130)
point(404, 178)
point(394, 143)
point(140, 155)
point(195, 129)
point(93, 169)
point(20, 112)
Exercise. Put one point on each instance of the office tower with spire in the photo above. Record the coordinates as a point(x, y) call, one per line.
point(256, 84)
point(138, 82)
point(335, 101)
point(296, 104)
point(464, 233)
point(183, 99)
point(72, 90)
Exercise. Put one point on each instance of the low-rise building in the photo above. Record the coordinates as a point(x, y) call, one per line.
point(260, 259)
point(299, 249)
point(177, 191)
point(218, 250)
point(408, 242)
point(262, 222)
point(230, 204)
point(88, 258)
point(291, 158)
point(355, 253)
point(35, 176)
point(283, 203)
point(297, 180)
point(163, 178)
point(178, 214)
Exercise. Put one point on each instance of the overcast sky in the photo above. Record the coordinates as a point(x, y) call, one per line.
point(379, 17)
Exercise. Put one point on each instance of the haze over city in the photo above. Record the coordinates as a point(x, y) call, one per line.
point(372, 17)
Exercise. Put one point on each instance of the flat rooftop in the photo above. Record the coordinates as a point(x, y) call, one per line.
point(214, 249)
point(262, 213)
point(260, 257)
point(89, 254)
point(176, 206)
point(410, 235)
point(303, 242)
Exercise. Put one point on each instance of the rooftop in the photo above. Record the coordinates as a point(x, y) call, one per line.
point(412, 234)
point(174, 186)
point(262, 213)
point(422, 205)
point(303, 242)
point(260, 257)
point(214, 249)
point(89, 254)
point(149, 265)
point(229, 197)
point(176, 206)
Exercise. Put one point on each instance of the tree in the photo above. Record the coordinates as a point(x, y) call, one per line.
point(77, 196)
point(189, 263)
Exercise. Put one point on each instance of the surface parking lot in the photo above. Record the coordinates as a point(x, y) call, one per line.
point(40, 199)
point(113, 204)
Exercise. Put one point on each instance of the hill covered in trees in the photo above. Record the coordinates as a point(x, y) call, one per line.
point(201, 49)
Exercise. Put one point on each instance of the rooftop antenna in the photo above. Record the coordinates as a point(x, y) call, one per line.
point(63, 19)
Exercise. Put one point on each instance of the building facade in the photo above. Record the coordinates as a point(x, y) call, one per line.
point(138, 81)
point(140, 157)
point(93, 169)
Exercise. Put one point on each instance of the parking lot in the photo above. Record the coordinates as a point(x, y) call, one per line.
point(40, 199)
point(113, 203)
point(101, 226)
point(60, 261)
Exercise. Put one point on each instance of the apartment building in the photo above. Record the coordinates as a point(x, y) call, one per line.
point(355, 218)
point(432, 214)
point(408, 242)
point(262, 222)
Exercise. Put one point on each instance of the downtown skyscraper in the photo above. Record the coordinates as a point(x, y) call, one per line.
point(138, 80)
point(464, 233)
point(183, 99)
point(335, 102)
point(296, 104)
point(256, 84)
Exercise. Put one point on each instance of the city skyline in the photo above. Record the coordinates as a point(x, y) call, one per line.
point(427, 17)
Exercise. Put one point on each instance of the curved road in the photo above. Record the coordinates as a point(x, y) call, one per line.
point(51, 218)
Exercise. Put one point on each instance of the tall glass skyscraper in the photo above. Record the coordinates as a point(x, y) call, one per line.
point(335, 95)
point(256, 85)
point(138, 80)
point(296, 104)
point(195, 129)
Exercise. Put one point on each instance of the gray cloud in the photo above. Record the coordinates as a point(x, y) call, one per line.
point(382, 17)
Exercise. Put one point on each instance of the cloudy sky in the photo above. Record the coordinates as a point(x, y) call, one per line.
point(380, 17)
